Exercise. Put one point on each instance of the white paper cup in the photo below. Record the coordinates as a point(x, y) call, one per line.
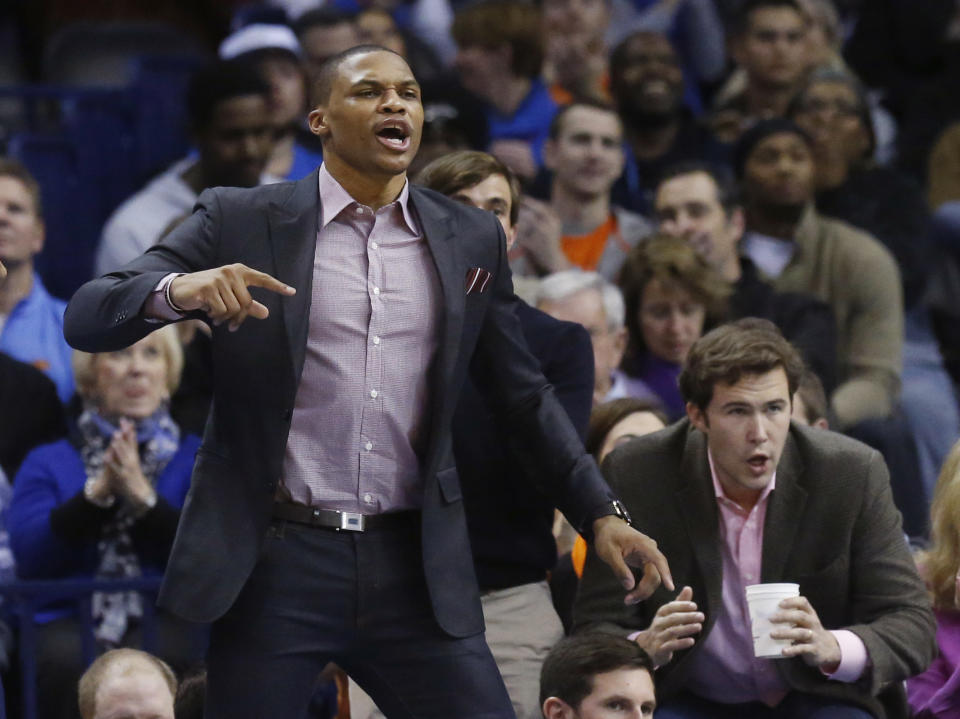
point(763, 601)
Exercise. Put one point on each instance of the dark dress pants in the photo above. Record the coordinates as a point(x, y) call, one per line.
point(357, 599)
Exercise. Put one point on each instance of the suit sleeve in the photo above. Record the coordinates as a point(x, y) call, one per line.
point(541, 434)
point(105, 313)
point(889, 603)
point(570, 371)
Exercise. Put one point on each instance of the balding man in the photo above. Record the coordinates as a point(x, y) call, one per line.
point(127, 683)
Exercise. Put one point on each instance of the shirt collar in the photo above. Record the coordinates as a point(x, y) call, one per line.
point(334, 199)
point(718, 488)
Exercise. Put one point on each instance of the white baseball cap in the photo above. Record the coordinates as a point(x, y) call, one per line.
point(259, 36)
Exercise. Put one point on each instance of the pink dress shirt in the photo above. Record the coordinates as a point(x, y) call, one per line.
point(725, 670)
point(361, 415)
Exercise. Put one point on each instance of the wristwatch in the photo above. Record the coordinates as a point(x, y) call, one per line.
point(619, 510)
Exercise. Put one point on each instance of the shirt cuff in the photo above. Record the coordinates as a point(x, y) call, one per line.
point(157, 308)
point(633, 636)
point(853, 656)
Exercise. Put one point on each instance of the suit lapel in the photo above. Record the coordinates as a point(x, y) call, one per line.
point(784, 514)
point(293, 234)
point(437, 231)
point(700, 514)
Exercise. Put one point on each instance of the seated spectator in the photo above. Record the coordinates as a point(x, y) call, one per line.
point(31, 320)
point(646, 80)
point(593, 676)
point(500, 59)
point(737, 494)
point(697, 202)
point(105, 504)
point(611, 424)
point(810, 405)
point(769, 43)
point(801, 251)
point(30, 412)
point(579, 227)
point(935, 694)
point(275, 52)
point(127, 683)
point(376, 26)
point(575, 49)
point(322, 33)
point(513, 551)
point(228, 103)
point(588, 299)
point(672, 295)
point(832, 108)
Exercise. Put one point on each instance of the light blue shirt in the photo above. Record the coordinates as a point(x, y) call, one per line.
point(33, 333)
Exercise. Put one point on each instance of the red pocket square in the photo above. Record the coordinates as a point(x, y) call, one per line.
point(477, 279)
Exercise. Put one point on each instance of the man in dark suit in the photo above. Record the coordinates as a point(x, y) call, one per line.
point(511, 521)
point(736, 496)
point(331, 415)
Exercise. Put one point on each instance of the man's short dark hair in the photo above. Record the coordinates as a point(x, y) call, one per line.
point(320, 17)
point(328, 71)
point(570, 667)
point(219, 81)
point(742, 22)
point(191, 694)
point(728, 192)
point(606, 415)
point(814, 397)
point(19, 172)
point(749, 346)
point(556, 124)
point(461, 170)
point(492, 23)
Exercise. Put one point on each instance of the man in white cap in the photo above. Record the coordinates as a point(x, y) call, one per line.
point(276, 54)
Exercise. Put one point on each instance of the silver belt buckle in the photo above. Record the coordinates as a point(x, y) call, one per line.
point(351, 522)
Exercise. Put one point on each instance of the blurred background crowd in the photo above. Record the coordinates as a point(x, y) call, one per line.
point(679, 163)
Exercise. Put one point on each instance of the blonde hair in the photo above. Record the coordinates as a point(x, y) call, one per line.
point(941, 561)
point(122, 662)
point(85, 364)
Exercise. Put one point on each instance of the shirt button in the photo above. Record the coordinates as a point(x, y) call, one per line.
point(376, 340)
point(376, 290)
point(368, 446)
point(368, 498)
point(374, 393)
point(374, 246)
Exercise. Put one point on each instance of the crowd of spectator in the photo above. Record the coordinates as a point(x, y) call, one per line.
point(660, 169)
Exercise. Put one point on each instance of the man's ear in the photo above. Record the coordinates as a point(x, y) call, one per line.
point(317, 121)
point(619, 344)
point(550, 153)
point(737, 222)
point(698, 418)
point(554, 708)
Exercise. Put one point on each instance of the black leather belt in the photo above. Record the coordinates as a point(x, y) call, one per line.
point(340, 521)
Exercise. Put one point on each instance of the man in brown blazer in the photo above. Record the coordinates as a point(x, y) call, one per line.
point(737, 495)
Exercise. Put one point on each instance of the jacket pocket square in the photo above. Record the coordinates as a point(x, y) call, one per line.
point(477, 280)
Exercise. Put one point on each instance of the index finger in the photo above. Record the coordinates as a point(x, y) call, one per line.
point(256, 278)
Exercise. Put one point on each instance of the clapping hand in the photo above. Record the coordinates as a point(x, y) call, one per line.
point(122, 462)
point(672, 629)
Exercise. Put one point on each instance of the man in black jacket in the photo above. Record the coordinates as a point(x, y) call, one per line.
point(693, 200)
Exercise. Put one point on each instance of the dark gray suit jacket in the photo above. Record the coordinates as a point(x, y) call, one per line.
point(831, 526)
point(257, 370)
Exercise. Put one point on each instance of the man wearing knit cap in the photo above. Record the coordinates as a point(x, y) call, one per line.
point(800, 251)
point(276, 54)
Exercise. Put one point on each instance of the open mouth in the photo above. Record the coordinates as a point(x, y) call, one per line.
point(394, 137)
point(758, 463)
